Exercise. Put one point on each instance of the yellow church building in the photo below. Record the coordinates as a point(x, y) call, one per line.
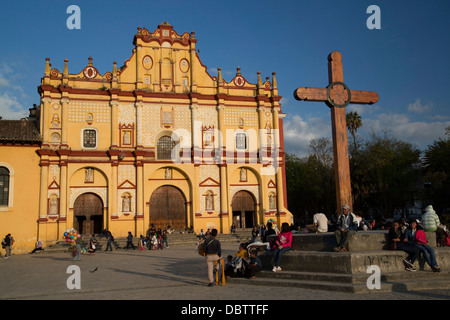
point(157, 141)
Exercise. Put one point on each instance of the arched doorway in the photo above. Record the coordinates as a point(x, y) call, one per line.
point(88, 214)
point(168, 207)
point(244, 209)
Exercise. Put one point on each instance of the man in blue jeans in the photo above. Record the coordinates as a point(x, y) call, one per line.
point(346, 227)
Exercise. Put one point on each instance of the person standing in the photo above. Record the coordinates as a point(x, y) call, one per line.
point(347, 226)
point(213, 250)
point(7, 243)
point(431, 223)
point(255, 234)
point(130, 241)
point(164, 239)
point(92, 245)
point(110, 241)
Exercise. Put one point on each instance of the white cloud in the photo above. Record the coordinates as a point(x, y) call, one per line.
point(400, 126)
point(417, 107)
point(298, 132)
point(10, 108)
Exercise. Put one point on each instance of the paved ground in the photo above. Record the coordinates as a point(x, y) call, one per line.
point(176, 273)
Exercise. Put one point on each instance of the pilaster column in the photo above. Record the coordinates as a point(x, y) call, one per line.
point(64, 122)
point(43, 197)
point(225, 216)
point(195, 132)
point(140, 228)
point(139, 126)
point(138, 66)
point(262, 133)
point(276, 151)
point(46, 102)
point(114, 124)
point(196, 198)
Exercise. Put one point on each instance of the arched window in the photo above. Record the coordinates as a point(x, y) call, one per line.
point(164, 148)
point(4, 186)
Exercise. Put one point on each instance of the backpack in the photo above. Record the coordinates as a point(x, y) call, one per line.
point(420, 237)
point(200, 248)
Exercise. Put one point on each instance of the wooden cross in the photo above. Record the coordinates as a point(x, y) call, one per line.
point(337, 96)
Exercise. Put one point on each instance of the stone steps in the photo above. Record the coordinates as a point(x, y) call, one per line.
point(312, 264)
point(395, 281)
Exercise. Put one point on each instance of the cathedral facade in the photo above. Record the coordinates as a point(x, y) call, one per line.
point(157, 141)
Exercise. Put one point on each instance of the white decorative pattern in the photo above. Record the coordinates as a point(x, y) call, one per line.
point(151, 122)
point(209, 171)
point(126, 172)
point(100, 110)
point(208, 116)
point(233, 114)
point(127, 114)
point(54, 172)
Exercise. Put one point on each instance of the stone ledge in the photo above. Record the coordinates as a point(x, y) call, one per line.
point(362, 240)
point(352, 262)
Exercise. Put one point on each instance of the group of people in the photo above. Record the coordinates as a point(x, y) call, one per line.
point(246, 262)
point(411, 238)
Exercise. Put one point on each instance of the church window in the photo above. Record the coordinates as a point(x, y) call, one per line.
point(241, 141)
point(4, 186)
point(164, 148)
point(89, 138)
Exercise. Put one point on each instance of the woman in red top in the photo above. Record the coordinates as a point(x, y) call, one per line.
point(283, 244)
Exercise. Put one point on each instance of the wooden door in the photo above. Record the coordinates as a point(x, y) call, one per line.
point(168, 207)
point(244, 209)
point(88, 214)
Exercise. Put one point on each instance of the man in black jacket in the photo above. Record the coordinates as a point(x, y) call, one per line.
point(213, 251)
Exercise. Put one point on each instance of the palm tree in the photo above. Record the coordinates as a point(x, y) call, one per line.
point(353, 124)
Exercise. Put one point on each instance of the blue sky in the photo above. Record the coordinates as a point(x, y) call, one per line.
point(406, 61)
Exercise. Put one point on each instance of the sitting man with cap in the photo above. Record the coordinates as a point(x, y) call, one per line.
point(347, 225)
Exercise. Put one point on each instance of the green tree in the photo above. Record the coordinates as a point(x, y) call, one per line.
point(354, 122)
point(310, 181)
point(390, 168)
point(436, 170)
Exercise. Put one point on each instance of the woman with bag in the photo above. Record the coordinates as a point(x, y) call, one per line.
point(422, 243)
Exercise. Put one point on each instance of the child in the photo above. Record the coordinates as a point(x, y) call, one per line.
point(154, 242)
point(141, 244)
point(254, 265)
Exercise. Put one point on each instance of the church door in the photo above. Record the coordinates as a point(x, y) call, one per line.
point(168, 207)
point(244, 210)
point(88, 214)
